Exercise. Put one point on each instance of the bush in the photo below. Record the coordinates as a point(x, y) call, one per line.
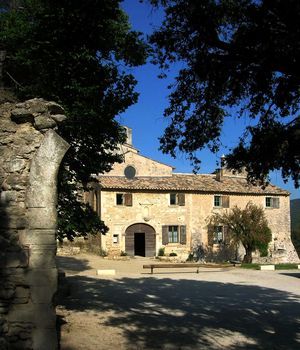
point(102, 253)
point(161, 252)
point(123, 253)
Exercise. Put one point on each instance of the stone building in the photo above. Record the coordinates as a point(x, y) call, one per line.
point(147, 206)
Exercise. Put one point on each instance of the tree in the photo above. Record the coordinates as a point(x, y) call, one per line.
point(76, 53)
point(238, 58)
point(248, 226)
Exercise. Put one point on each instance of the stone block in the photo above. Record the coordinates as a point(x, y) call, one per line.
point(42, 218)
point(105, 272)
point(59, 118)
point(54, 108)
point(15, 165)
point(38, 236)
point(44, 122)
point(8, 196)
point(21, 115)
point(45, 339)
point(21, 295)
point(42, 277)
point(267, 267)
point(43, 257)
point(15, 259)
point(40, 315)
point(43, 294)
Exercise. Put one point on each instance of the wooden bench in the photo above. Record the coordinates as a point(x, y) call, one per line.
point(180, 265)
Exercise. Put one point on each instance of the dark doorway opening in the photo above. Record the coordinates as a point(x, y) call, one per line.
point(139, 244)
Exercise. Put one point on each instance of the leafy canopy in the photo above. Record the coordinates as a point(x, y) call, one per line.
point(78, 54)
point(240, 58)
point(248, 226)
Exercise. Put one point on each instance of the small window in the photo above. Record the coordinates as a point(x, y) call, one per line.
point(115, 239)
point(272, 202)
point(129, 172)
point(217, 201)
point(221, 201)
point(124, 199)
point(177, 199)
point(174, 234)
point(218, 235)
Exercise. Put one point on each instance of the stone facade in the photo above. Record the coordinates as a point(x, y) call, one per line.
point(142, 197)
point(31, 152)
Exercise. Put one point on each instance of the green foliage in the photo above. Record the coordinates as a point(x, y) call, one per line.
point(161, 251)
point(239, 59)
point(248, 226)
point(250, 266)
point(76, 53)
point(286, 267)
point(295, 223)
point(75, 218)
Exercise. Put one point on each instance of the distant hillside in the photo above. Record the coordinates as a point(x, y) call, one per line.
point(295, 223)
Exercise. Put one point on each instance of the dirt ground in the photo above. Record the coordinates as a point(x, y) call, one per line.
point(215, 309)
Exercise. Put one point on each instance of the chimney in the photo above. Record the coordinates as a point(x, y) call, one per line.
point(128, 135)
point(220, 171)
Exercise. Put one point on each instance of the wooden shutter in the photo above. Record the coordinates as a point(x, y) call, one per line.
point(210, 235)
point(181, 199)
point(182, 234)
point(128, 199)
point(165, 234)
point(276, 203)
point(225, 201)
point(226, 237)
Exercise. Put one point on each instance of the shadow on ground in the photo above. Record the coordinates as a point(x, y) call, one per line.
point(184, 314)
point(72, 265)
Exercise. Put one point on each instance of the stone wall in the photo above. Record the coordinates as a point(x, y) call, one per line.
point(153, 208)
point(31, 152)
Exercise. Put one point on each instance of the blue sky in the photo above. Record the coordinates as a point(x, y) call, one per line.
point(146, 117)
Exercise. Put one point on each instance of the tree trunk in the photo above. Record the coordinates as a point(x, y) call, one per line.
point(248, 256)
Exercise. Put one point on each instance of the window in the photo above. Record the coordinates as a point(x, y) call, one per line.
point(115, 239)
point(218, 236)
point(177, 199)
point(272, 202)
point(129, 172)
point(221, 201)
point(174, 234)
point(124, 199)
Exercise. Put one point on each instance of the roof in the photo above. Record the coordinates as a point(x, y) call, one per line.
point(188, 183)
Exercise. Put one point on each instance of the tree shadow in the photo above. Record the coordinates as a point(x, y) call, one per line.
point(72, 265)
point(162, 313)
point(291, 274)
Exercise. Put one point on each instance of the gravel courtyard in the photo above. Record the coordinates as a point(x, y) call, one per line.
point(216, 309)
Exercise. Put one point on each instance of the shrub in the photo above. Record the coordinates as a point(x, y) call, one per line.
point(161, 252)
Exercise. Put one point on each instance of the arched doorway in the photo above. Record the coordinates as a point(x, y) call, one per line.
point(140, 239)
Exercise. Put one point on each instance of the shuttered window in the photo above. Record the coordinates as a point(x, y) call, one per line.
point(124, 199)
point(182, 235)
point(173, 234)
point(177, 199)
point(221, 201)
point(272, 202)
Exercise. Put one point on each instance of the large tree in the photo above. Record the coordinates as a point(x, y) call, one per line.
point(248, 226)
point(76, 53)
point(239, 58)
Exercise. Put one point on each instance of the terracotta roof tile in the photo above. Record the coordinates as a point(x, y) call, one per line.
point(188, 182)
